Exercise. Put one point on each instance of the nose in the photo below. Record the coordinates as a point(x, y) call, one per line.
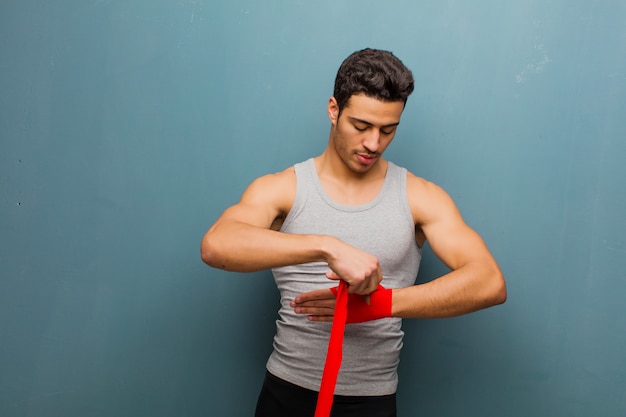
point(371, 142)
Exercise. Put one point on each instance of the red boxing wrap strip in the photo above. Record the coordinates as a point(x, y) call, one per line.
point(334, 353)
point(349, 308)
point(359, 310)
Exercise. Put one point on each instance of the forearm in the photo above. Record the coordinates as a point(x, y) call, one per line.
point(468, 289)
point(243, 248)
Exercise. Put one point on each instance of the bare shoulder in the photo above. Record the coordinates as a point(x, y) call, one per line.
point(277, 189)
point(428, 201)
point(268, 198)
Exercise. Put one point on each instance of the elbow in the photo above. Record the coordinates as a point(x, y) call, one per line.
point(498, 293)
point(491, 290)
point(210, 254)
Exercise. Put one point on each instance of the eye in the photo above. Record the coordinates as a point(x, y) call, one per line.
point(387, 132)
point(360, 128)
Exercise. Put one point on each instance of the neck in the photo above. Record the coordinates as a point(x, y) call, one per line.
point(345, 186)
point(330, 165)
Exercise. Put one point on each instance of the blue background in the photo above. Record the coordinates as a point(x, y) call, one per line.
point(126, 127)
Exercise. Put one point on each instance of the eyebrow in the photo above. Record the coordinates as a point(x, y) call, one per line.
point(355, 119)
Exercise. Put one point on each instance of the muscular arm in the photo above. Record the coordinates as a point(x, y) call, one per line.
point(475, 280)
point(243, 239)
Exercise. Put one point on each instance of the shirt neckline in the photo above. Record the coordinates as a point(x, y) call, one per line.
point(343, 207)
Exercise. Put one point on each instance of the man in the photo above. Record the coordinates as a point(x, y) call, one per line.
point(350, 215)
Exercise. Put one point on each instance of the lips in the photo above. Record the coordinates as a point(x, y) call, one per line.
point(366, 159)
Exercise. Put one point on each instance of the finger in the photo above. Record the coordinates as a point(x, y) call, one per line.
point(330, 274)
point(322, 303)
point(328, 305)
point(364, 288)
point(325, 294)
point(315, 311)
point(369, 285)
point(320, 318)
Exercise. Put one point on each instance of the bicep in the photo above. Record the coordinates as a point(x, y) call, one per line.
point(265, 200)
point(455, 243)
point(441, 223)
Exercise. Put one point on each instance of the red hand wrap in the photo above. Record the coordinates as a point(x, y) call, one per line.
point(359, 310)
point(334, 353)
point(350, 308)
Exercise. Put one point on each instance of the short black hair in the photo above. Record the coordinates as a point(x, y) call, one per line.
point(376, 73)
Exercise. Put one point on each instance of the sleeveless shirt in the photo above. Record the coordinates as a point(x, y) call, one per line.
point(383, 227)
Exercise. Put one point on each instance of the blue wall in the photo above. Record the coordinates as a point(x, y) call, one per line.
point(126, 127)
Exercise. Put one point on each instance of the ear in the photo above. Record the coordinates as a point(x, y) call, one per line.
point(333, 110)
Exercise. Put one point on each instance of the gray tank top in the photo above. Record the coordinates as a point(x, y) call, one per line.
point(383, 227)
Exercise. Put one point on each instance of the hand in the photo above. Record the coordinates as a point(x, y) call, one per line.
point(319, 305)
point(363, 308)
point(359, 269)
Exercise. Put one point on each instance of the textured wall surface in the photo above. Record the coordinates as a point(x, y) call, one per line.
point(126, 127)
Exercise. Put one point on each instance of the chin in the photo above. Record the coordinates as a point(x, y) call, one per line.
point(361, 169)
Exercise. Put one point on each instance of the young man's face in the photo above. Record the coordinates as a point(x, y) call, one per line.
point(364, 129)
